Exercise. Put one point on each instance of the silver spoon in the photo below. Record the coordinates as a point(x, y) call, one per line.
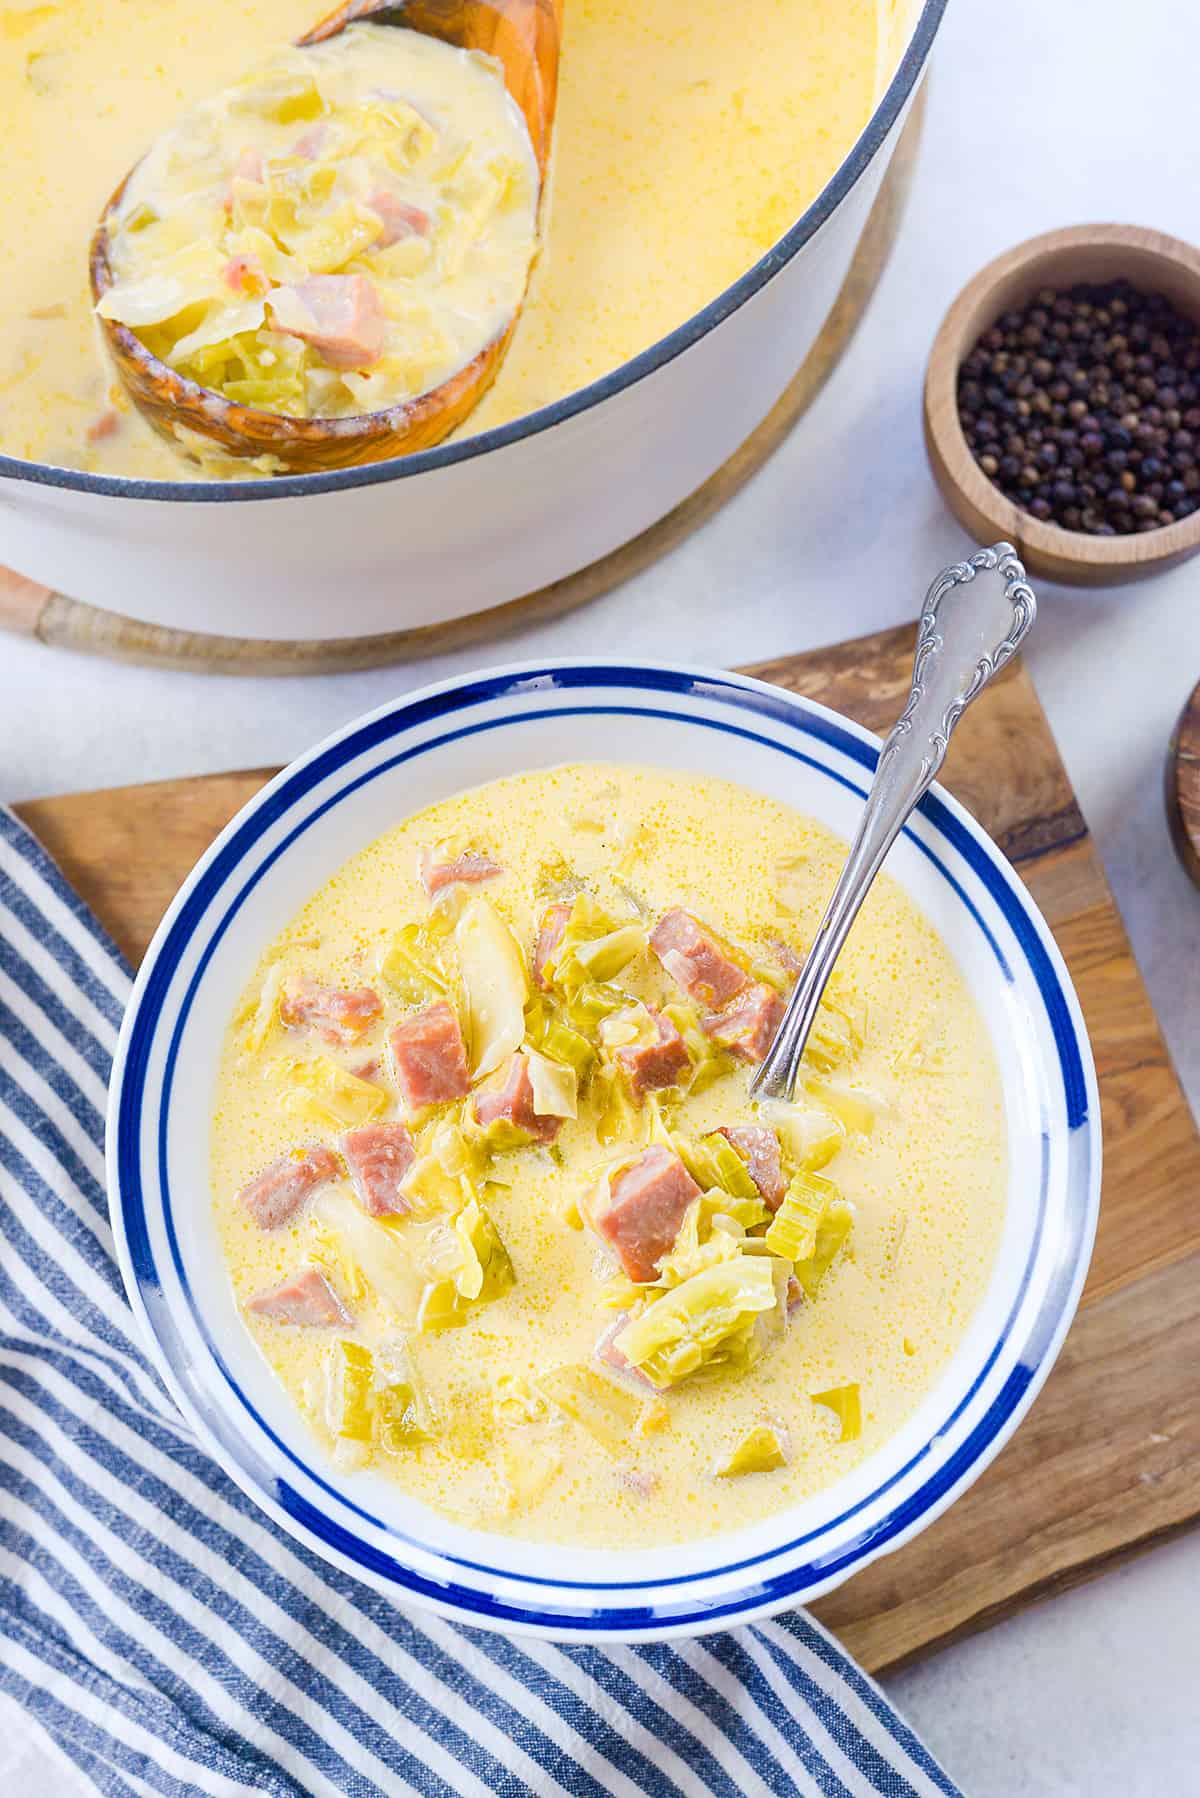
point(960, 646)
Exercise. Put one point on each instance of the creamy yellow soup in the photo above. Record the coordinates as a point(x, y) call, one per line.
point(688, 138)
point(520, 1427)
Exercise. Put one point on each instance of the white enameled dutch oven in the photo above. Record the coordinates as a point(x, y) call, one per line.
point(482, 520)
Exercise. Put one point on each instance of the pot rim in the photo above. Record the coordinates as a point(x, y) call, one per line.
point(545, 418)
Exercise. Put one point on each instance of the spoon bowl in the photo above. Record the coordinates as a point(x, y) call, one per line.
point(523, 36)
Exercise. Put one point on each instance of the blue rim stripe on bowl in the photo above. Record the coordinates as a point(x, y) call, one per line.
point(292, 789)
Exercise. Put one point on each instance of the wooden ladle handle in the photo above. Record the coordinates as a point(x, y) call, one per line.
point(523, 35)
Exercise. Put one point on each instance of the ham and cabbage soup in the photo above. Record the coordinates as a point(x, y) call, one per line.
point(338, 232)
point(497, 1206)
point(687, 139)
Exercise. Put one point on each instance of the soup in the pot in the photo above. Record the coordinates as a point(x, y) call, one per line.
point(498, 1208)
point(688, 139)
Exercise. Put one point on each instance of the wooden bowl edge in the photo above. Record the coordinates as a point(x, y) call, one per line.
point(1070, 557)
point(1183, 755)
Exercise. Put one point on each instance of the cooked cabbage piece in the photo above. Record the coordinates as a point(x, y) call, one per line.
point(322, 1091)
point(486, 1271)
point(378, 1251)
point(605, 1410)
point(835, 1226)
point(760, 1450)
point(555, 1086)
point(853, 1107)
point(352, 1372)
point(590, 1004)
point(793, 1229)
point(708, 1060)
point(376, 1400)
point(547, 1031)
point(809, 1135)
point(619, 1119)
point(594, 948)
point(473, 1269)
point(412, 967)
point(715, 1164)
point(496, 984)
point(330, 1251)
point(283, 90)
point(831, 1040)
point(442, 1307)
point(846, 1404)
point(746, 1214)
point(430, 1187)
point(793, 883)
point(707, 1323)
point(262, 1013)
point(516, 1400)
point(400, 1420)
point(697, 1246)
point(604, 957)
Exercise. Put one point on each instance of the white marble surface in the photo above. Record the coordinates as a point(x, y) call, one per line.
point(1040, 114)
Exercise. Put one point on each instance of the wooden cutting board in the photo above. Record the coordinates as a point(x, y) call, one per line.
point(1109, 1458)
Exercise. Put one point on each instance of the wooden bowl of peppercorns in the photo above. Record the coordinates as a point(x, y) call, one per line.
point(1062, 403)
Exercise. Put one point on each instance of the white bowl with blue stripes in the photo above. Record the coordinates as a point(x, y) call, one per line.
point(287, 842)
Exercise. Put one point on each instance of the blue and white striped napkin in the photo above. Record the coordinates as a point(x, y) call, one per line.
point(172, 1640)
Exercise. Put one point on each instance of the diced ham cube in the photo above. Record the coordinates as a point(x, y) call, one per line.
point(248, 167)
point(399, 219)
point(430, 1057)
point(786, 956)
point(306, 1297)
point(639, 1480)
point(554, 924)
point(512, 1098)
point(341, 316)
point(105, 424)
point(280, 1190)
point(379, 1156)
point(650, 1066)
point(336, 1015)
point(310, 143)
point(794, 1295)
point(471, 868)
point(748, 1028)
point(640, 1212)
point(759, 1149)
point(245, 274)
point(695, 959)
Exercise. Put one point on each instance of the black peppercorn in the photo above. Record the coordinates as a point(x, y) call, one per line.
point(1083, 407)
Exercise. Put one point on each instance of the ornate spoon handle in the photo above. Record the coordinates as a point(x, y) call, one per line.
point(960, 646)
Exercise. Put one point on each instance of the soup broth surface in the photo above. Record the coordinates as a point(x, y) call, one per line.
point(922, 1163)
